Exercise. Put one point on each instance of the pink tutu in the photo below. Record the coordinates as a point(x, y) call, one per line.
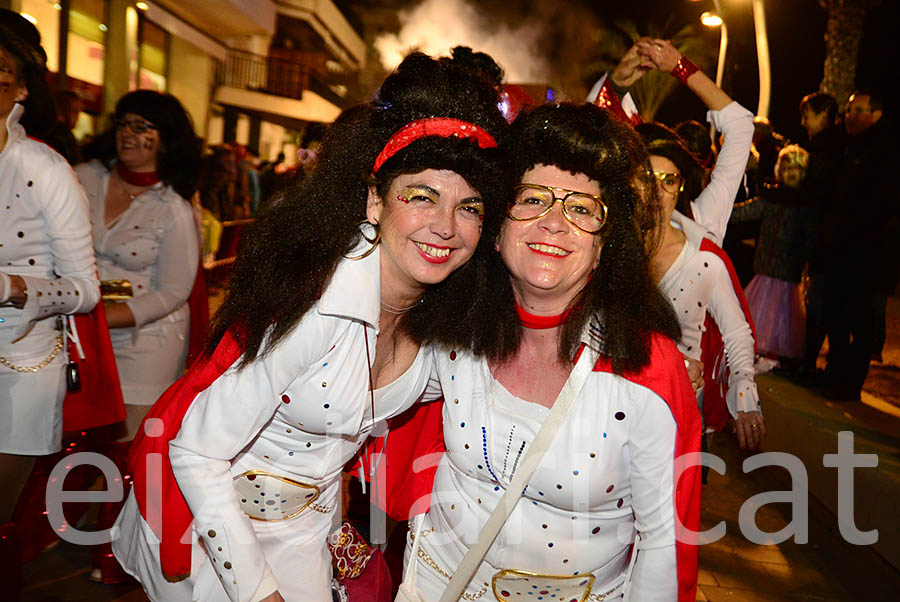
point(778, 315)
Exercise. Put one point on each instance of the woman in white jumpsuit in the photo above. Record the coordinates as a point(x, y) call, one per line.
point(318, 342)
point(602, 516)
point(47, 269)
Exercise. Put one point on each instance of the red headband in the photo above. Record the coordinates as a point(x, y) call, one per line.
point(445, 127)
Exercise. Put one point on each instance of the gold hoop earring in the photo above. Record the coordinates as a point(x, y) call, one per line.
point(373, 241)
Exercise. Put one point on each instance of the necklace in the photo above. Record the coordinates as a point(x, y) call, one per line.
point(125, 188)
point(399, 310)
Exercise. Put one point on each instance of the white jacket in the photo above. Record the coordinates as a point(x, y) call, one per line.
point(300, 411)
point(45, 236)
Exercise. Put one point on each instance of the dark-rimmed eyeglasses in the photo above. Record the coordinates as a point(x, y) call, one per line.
point(137, 126)
point(587, 212)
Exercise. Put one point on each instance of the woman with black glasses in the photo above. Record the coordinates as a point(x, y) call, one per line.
point(144, 233)
point(146, 242)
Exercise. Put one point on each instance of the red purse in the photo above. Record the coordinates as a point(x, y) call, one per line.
point(362, 574)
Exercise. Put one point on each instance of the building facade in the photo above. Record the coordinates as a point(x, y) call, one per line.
point(252, 71)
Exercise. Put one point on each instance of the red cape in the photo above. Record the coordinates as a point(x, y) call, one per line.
point(715, 409)
point(154, 482)
point(609, 100)
point(418, 433)
point(198, 302)
point(99, 402)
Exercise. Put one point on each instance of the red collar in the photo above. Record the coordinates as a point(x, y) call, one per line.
point(540, 322)
point(136, 178)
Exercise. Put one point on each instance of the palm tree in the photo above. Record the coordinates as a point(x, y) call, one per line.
point(651, 91)
point(843, 33)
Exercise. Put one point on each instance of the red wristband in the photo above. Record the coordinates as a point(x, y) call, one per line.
point(683, 69)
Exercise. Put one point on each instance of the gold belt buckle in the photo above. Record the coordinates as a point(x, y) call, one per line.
point(513, 584)
point(116, 290)
point(269, 497)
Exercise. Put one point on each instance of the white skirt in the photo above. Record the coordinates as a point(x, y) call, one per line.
point(31, 402)
point(152, 358)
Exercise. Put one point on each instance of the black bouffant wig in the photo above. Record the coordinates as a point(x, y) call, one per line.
point(664, 142)
point(21, 39)
point(288, 256)
point(586, 139)
point(180, 153)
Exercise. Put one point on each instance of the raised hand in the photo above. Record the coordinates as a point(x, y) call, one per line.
point(632, 67)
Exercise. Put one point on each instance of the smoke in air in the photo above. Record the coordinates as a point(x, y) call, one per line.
point(436, 26)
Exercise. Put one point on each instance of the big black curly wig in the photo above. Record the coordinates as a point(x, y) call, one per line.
point(288, 256)
point(621, 294)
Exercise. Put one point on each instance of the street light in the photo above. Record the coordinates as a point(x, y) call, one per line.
point(762, 51)
point(715, 20)
point(711, 19)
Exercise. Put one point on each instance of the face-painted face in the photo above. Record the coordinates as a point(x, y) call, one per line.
point(789, 173)
point(137, 142)
point(549, 259)
point(12, 89)
point(668, 195)
point(430, 225)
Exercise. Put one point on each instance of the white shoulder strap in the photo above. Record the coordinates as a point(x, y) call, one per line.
point(545, 435)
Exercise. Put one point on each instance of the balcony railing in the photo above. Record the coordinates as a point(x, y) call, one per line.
point(285, 72)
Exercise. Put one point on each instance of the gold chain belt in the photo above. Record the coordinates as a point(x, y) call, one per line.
point(37, 367)
point(430, 562)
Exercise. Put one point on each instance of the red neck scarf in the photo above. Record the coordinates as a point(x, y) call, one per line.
point(136, 178)
point(540, 322)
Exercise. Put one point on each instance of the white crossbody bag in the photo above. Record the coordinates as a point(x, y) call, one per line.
point(545, 435)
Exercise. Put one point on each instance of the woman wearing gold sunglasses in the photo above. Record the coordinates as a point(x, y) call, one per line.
point(697, 277)
point(691, 269)
point(597, 517)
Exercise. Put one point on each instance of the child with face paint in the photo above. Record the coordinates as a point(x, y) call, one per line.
point(786, 242)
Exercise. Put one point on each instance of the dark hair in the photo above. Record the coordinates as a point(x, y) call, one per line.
point(480, 64)
point(180, 159)
point(664, 142)
point(818, 102)
point(621, 294)
point(313, 134)
point(289, 255)
point(21, 39)
point(876, 99)
point(696, 136)
point(66, 99)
